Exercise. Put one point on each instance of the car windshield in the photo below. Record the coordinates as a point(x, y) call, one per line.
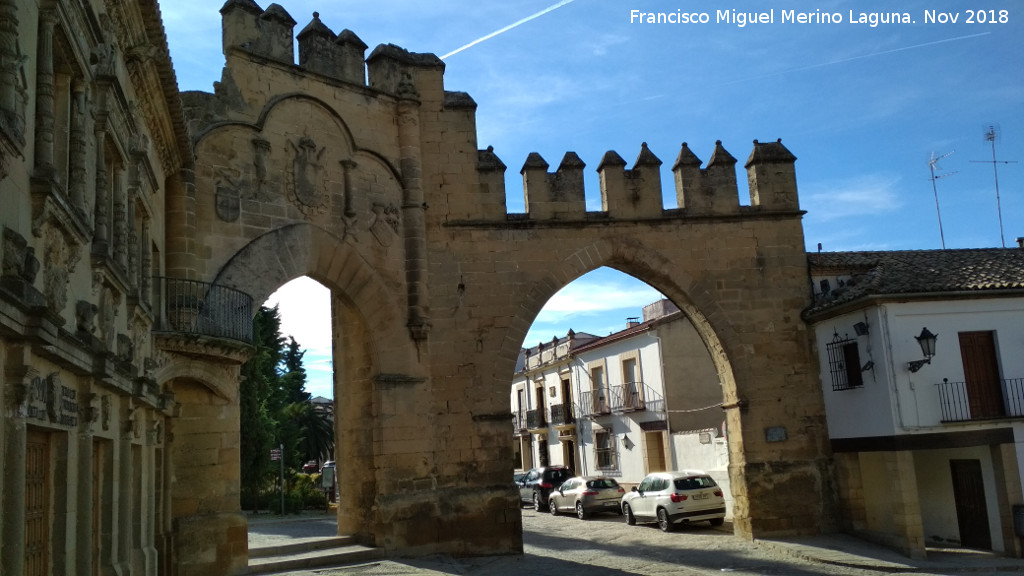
point(694, 482)
point(602, 483)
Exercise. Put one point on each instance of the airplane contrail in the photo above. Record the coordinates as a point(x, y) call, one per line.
point(509, 27)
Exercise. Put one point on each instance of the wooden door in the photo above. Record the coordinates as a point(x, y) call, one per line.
point(37, 503)
point(655, 452)
point(969, 497)
point(981, 374)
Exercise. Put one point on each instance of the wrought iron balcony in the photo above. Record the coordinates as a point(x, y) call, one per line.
point(518, 422)
point(964, 402)
point(562, 414)
point(594, 403)
point(630, 397)
point(201, 308)
point(535, 419)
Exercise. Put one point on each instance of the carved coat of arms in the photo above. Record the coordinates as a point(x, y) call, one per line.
point(305, 182)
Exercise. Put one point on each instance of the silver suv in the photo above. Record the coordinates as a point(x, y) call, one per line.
point(671, 498)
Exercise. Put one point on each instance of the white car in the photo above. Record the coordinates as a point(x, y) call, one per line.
point(671, 498)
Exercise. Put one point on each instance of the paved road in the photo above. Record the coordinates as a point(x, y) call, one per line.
point(605, 546)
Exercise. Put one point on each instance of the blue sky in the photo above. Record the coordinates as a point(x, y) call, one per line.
point(862, 107)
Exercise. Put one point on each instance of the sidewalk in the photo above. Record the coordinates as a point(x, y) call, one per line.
point(851, 552)
point(830, 552)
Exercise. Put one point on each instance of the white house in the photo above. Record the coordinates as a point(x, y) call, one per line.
point(641, 400)
point(922, 364)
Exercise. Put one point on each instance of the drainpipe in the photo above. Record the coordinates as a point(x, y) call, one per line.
point(890, 368)
point(664, 398)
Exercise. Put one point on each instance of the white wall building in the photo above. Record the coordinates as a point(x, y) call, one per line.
point(928, 449)
point(641, 400)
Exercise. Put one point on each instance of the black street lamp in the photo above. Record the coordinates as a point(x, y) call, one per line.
point(927, 342)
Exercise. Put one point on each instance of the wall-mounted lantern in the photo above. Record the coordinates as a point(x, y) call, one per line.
point(927, 342)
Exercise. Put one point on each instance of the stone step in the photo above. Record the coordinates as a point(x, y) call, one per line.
point(318, 553)
point(305, 545)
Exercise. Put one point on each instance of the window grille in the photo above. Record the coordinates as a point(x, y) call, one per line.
point(604, 448)
point(844, 363)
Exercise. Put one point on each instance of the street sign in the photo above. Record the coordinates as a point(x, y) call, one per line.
point(275, 454)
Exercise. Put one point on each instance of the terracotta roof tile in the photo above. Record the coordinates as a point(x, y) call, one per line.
point(916, 272)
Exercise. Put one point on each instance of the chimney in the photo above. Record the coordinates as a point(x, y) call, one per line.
point(1020, 241)
point(631, 322)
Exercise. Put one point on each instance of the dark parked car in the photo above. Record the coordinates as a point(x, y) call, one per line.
point(538, 483)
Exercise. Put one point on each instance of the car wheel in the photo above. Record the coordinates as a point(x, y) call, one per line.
point(537, 503)
point(630, 519)
point(664, 523)
point(717, 521)
point(581, 512)
point(552, 507)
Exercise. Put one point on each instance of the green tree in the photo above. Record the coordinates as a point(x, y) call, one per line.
point(276, 409)
point(257, 422)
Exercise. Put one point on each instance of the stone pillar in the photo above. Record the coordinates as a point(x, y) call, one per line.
point(123, 495)
point(8, 56)
point(209, 530)
point(12, 554)
point(77, 169)
point(413, 216)
point(102, 214)
point(120, 219)
point(1009, 493)
point(133, 247)
point(84, 489)
point(45, 94)
point(147, 272)
point(353, 423)
point(907, 513)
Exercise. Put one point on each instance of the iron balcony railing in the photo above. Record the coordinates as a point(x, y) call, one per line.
point(629, 397)
point(561, 414)
point(594, 403)
point(535, 419)
point(194, 307)
point(962, 402)
point(519, 422)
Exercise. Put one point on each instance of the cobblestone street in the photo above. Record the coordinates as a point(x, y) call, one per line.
point(605, 546)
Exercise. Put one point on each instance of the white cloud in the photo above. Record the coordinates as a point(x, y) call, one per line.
point(867, 195)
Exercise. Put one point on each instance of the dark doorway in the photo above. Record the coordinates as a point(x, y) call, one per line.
point(969, 496)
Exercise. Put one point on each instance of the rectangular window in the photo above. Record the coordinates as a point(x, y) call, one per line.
point(604, 449)
point(844, 363)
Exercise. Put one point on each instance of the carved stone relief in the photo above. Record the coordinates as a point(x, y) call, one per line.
point(108, 312)
point(55, 276)
point(384, 224)
point(105, 412)
point(227, 201)
point(305, 177)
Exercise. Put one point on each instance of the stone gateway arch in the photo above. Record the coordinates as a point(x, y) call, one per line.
point(364, 173)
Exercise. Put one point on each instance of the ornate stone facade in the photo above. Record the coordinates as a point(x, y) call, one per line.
point(179, 203)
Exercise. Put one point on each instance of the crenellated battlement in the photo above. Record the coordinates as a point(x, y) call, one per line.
point(636, 193)
point(389, 68)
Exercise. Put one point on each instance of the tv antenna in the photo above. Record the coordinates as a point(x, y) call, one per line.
point(933, 163)
point(991, 135)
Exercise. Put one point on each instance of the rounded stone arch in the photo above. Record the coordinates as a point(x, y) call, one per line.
point(273, 259)
point(685, 290)
point(649, 266)
point(220, 379)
